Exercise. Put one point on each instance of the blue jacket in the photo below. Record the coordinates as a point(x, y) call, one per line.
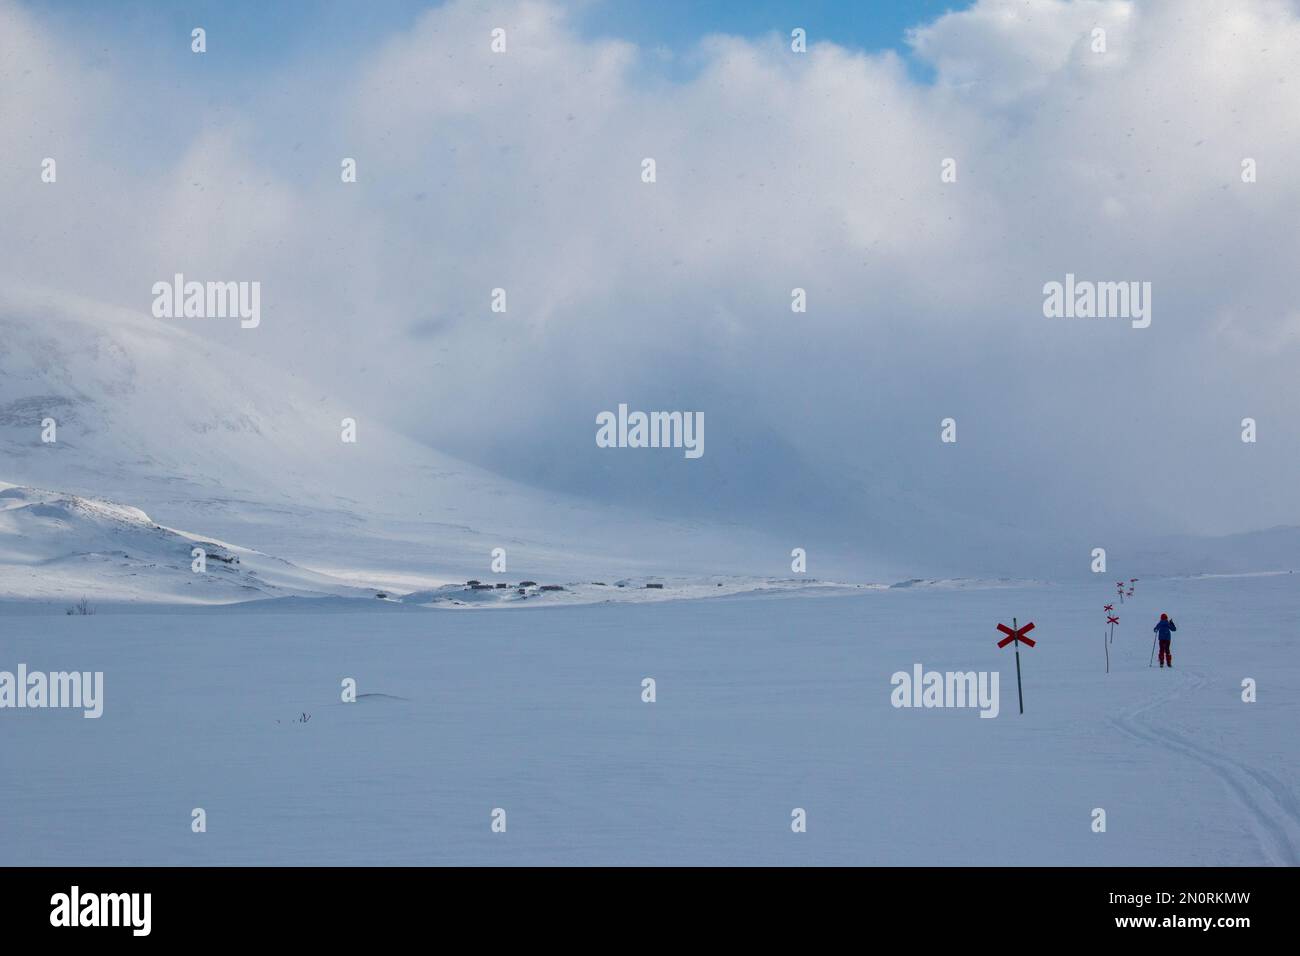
point(1163, 628)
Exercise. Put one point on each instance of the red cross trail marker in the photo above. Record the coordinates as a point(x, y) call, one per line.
point(1109, 607)
point(1017, 634)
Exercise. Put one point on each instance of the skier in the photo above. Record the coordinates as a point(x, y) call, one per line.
point(1163, 630)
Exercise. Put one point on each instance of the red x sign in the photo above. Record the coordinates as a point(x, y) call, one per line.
point(1111, 620)
point(1109, 607)
point(1017, 635)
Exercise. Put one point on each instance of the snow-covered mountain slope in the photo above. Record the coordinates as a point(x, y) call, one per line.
point(62, 547)
point(205, 436)
point(202, 434)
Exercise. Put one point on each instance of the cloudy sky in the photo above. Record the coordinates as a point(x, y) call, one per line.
point(775, 170)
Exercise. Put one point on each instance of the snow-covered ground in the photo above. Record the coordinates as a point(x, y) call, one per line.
point(765, 702)
point(58, 549)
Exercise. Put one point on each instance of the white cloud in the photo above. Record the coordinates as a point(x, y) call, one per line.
point(775, 170)
point(1004, 52)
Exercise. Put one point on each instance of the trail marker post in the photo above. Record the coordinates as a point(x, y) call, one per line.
point(1108, 608)
point(1017, 634)
point(1119, 589)
point(1112, 620)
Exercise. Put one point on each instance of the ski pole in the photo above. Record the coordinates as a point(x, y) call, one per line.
point(1153, 652)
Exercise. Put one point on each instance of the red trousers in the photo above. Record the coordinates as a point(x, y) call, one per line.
point(1165, 655)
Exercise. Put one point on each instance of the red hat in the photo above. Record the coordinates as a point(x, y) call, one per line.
point(1164, 617)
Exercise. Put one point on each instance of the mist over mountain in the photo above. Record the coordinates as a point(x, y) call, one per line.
point(204, 439)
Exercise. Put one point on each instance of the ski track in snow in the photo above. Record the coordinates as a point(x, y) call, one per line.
point(1273, 810)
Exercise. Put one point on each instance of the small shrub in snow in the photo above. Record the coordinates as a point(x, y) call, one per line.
point(82, 607)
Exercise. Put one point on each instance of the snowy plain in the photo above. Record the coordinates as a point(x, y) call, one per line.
point(765, 702)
